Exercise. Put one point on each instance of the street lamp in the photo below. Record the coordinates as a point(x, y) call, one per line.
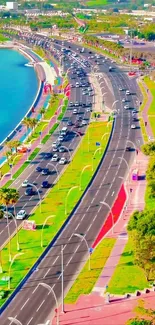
point(50, 289)
point(30, 184)
point(84, 168)
point(15, 221)
point(55, 170)
point(71, 189)
point(114, 103)
point(19, 254)
point(1, 267)
point(82, 237)
point(15, 320)
point(108, 206)
point(134, 147)
point(94, 157)
point(49, 217)
point(9, 243)
point(41, 131)
point(104, 135)
point(70, 157)
point(122, 158)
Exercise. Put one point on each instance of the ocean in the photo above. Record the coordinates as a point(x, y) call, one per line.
point(18, 88)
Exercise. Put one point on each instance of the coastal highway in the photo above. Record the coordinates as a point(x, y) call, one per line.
point(33, 304)
point(71, 141)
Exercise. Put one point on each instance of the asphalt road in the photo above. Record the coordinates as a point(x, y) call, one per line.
point(33, 305)
point(71, 142)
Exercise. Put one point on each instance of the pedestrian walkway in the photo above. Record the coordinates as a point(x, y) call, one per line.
point(93, 309)
point(145, 111)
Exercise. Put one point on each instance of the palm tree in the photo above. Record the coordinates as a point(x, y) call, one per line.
point(16, 144)
point(10, 145)
point(14, 197)
point(42, 111)
point(8, 155)
point(27, 122)
point(33, 123)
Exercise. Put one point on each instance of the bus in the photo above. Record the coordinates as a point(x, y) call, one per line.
point(64, 131)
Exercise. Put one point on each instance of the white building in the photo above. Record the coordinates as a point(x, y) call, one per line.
point(12, 5)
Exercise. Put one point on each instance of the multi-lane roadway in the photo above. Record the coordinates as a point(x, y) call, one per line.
point(33, 305)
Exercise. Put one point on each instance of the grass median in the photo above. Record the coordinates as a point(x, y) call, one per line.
point(54, 205)
point(87, 279)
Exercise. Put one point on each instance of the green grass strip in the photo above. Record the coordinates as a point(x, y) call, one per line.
point(151, 85)
point(143, 129)
point(127, 277)
point(47, 136)
point(86, 280)
point(54, 204)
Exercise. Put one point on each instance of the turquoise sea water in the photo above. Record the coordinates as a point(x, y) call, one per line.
point(18, 88)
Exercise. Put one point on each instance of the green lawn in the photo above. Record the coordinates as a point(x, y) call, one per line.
point(49, 113)
point(143, 129)
point(6, 168)
point(87, 279)
point(127, 277)
point(152, 123)
point(3, 38)
point(47, 136)
point(54, 204)
point(96, 3)
point(151, 85)
point(144, 96)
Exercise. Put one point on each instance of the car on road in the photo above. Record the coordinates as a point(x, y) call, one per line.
point(25, 183)
point(128, 148)
point(29, 191)
point(69, 123)
point(127, 92)
point(48, 155)
point(126, 106)
point(134, 111)
point(63, 161)
point(133, 126)
point(45, 171)
point(62, 149)
point(120, 88)
point(123, 100)
point(38, 169)
point(84, 122)
point(55, 157)
point(45, 184)
point(21, 214)
point(71, 104)
point(88, 109)
point(75, 111)
point(61, 138)
point(76, 104)
point(55, 144)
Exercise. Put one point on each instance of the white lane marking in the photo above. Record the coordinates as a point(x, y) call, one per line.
point(40, 305)
point(30, 321)
point(24, 303)
point(46, 273)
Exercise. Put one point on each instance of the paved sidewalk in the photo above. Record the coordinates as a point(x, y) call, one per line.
point(92, 309)
point(145, 110)
point(136, 200)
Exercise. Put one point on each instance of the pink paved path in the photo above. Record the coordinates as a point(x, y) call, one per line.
point(92, 309)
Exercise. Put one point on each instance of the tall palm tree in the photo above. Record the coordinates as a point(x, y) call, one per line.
point(14, 197)
point(42, 112)
point(33, 123)
point(8, 155)
point(10, 145)
point(16, 144)
point(27, 122)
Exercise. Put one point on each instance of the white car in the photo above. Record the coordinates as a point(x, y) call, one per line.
point(120, 89)
point(55, 144)
point(126, 106)
point(55, 157)
point(84, 122)
point(25, 183)
point(61, 138)
point(133, 126)
point(62, 161)
point(21, 215)
point(123, 100)
point(88, 109)
point(75, 111)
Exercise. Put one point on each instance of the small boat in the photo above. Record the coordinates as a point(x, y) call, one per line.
point(30, 64)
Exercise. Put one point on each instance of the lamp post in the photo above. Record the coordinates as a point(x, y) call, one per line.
point(15, 221)
point(30, 184)
point(134, 148)
point(50, 289)
point(104, 135)
point(9, 243)
point(1, 267)
point(12, 165)
point(122, 158)
point(82, 237)
point(41, 241)
point(84, 168)
point(114, 103)
point(19, 254)
point(41, 131)
point(71, 189)
point(108, 206)
point(94, 157)
point(15, 320)
point(62, 279)
point(55, 170)
point(70, 157)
